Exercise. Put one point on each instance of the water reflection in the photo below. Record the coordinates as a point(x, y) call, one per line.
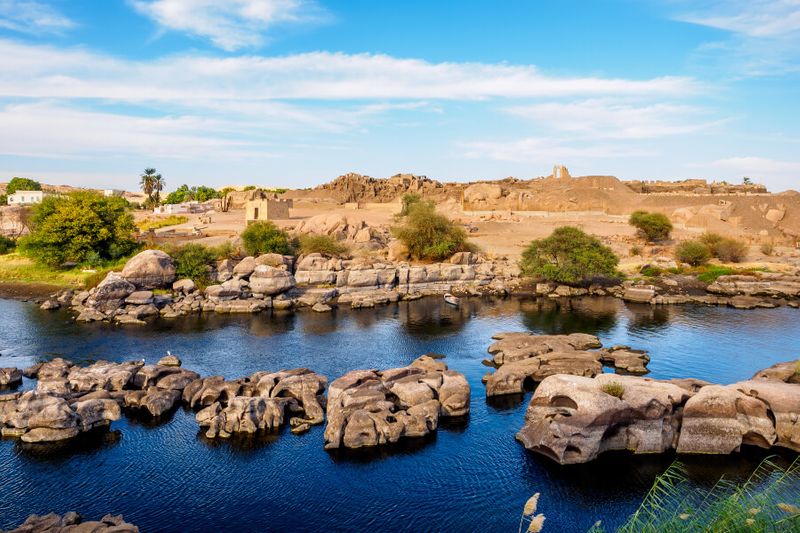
point(62, 452)
point(570, 315)
point(646, 318)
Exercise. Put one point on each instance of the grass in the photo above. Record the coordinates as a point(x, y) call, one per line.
point(613, 388)
point(767, 501)
point(15, 268)
point(322, 244)
point(156, 223)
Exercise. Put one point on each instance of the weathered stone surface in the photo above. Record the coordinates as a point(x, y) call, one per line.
point(625, 359)
point(102, 375)
point(170, 360)
point(571, 419)
point(10, 377)
point(113, 287)
point(150, 269)
point(638, 294)
point(788, 372)
point(511, 377)
point(73, 523)
point(140, 298)
point(185, 286)
point(270, 281)
point(154, 400)
point(370, 408)
point(515, 346)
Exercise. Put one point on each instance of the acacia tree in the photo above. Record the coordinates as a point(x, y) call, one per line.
point(568, 255)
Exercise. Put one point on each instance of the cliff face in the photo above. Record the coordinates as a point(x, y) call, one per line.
point(357, 188)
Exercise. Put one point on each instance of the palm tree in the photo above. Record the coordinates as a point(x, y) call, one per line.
point(152, 184)
point(158, 185)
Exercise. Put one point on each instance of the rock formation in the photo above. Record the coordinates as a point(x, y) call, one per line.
point(150, 269)
point(258, 402)
point(73, 523)
point(524, 358)
point(572, 419)
point(10, 377)
point(371, 408)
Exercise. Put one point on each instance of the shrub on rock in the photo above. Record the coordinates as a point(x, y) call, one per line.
point(428, 234)
point(568, 255)
point(651, 226)
point(266, 238)
point(322, 244)
point(692, 252)
point(192, 261)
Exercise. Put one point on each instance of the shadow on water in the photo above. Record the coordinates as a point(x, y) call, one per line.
point(89, 443)
point(570, 315)
point(432, 316)
point(404, 446)
point(244, 443)
point(142, 418)
point(646, 318)
point(505, 402)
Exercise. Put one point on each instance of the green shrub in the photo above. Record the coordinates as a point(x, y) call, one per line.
point(712, 272)
point(650, 271)
point(428, 234)
point(613, 388)
point(322, 244)
point(70, 228)
point(568, 255)
point(266, 238)
point(184, 193)
point(193, 261)
point(651, 226)
point(161, 222)
point(7, 245)
point(693, 252)
point(408, 200)
point(22, 184)
point(635, 250)
point(3, 199)
point(731, 251)
point(711, 240)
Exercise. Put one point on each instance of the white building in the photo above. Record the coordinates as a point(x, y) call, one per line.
point(25, 198)
point(113, 192)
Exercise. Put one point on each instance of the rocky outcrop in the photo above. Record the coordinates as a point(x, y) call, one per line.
point(371, 408)
point(259, 402)
point(526, 358)
point(10, 377)
point(73, 523)
point(150, 269)
point(572, 419)
point(761, 284)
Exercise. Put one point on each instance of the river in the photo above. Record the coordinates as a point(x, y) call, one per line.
point(471, 475)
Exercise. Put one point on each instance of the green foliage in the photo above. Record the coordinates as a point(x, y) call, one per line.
point(184, 193)
point(249, 188)
point(713, 272)
point(3, 199)
point(568, 255)
point(428, 234)
point(635, 250)
point(264, 238)
point(155, 223)
point(322, 244)
point(7, 245)
point(408, 200)
point(650, 271)
point(765, 502)
point(193, 261)
point(693, 252)
point(712, 240)
point(613, 388)
point(69, 228)
point(152, 184)
point(651, 226)
point(22, 184)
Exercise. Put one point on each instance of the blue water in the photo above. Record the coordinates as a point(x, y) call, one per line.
point(469, 476)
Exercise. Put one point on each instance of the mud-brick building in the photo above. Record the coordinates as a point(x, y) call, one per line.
point(267, 209)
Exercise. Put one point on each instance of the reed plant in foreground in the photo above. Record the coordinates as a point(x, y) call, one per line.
point(768, 501)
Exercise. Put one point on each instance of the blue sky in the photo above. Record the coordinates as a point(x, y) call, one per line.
point(295, 92)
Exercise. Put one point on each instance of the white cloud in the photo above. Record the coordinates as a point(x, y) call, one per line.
point(544, 150)
point(755, 18)
point(598, 118)
point(30, 16)
point(229, 24)
point(48, 72)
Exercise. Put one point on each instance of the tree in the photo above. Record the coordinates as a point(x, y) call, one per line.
point(747, 181)
point(22, 184)
point(693, 252)
point(184, 194)
point(568, 255)
point(651, 226)
point(152, 184)
point(266, 238)
point(77, 227)
point(428, 234)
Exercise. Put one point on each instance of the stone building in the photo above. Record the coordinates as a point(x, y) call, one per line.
point(267, 209)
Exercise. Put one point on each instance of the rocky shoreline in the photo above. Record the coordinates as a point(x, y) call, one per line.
point(147, 287)
point(73, 523)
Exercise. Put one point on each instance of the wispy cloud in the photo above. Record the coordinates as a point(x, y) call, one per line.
point(764, 34)
point(30, 16)
point(610, 119)
point(229, 24)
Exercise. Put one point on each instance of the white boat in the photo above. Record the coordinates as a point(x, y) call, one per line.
point(452, 300)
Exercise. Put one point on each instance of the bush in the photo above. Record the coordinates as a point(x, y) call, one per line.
point(7, 245)
point(635, 250)
point(266, 238)
point(712, 272)
point(693, 252)
point(193, 261)
point(322, 244)
point(651, 226)
point(767, 248)
point(428, 234)
point(22, 184)
point(184, 193)
point(613, 388)
point(711, 240)
point(70, 228)
point(651, 271)
point(731, 251)
point(408, 200)
point(568, 255)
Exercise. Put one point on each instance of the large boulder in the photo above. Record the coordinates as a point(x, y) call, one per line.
point(270, 281)
point(515, 346)
point(73, 523)
point(10, 377)
point(370, 408)
point(113, 287)
point(514, 377)
point(150, 269)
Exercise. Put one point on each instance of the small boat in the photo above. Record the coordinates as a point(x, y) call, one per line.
point(452, 300)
